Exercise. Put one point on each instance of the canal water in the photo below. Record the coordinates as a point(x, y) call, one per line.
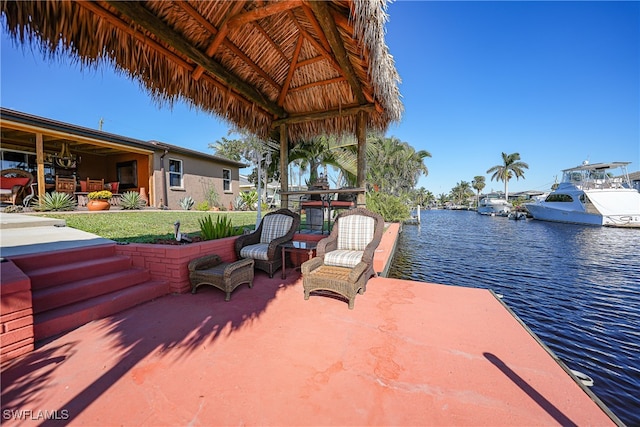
point(577, 287)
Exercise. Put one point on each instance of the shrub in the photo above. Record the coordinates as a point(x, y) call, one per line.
point(55, 202)
point(219, 229)
point(104, 194)
point(392, 208)
point(202, 206)
point(131, 200)
point(250, 199)
point(187, 203)
point(13, 209)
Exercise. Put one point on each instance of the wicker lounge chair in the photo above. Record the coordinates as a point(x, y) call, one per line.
point(344, 261)
point(263, 244)
point(15, 186)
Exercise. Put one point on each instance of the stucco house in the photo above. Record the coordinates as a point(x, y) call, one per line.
point(164, 173)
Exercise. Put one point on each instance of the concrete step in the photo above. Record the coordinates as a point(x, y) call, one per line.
point(30, 262)
point(57, 296)
point(73, 270)
point(68, 317)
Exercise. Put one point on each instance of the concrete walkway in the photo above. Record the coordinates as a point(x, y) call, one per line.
point(28, 234)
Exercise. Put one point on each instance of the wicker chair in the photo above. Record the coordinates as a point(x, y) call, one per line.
point(263, 244)
point(15, 186)
point(344, 261)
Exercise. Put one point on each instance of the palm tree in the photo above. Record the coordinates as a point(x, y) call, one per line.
point(461, 192)
point(511, 165)
point(394, 166)
point(326, 151)
point(478, 184)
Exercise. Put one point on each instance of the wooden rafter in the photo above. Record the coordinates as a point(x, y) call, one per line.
point(220, 36)
point(127, 29)
point(316, 26)
point(137, 13)
point(292, 69)
point(321, 11)
point(325, 114)
point(263, 12)
point(318, 83)
point(227, 43)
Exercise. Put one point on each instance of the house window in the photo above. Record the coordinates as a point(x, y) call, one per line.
point(226, 180)
point(175, 173)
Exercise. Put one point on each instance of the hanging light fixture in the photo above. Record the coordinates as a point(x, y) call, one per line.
point(65, 159)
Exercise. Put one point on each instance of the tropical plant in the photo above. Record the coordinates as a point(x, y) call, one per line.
point(478, 184)
point(131, 200)
point(211, 194)
point(392, 208)
point(55, 202)
point(327, 150)
point(249, 199)
point(511, 166)
point(219, 229)
point(187, 203)
point(100, 195)
point(394, 166)
point(202, 206)
point(461, 192)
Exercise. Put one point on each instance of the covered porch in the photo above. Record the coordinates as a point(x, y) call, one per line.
point(48, 150)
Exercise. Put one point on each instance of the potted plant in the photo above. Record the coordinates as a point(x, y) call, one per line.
point(99, 200)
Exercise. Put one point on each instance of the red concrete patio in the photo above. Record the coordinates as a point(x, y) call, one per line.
point(409, 354)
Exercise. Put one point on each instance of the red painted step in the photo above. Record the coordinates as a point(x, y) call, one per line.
point(54, 322)
point(68, 293)
point(51, 259)
point(73, 270)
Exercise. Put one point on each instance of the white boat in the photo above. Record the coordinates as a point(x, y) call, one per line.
point(494, 204)
point(594, 194)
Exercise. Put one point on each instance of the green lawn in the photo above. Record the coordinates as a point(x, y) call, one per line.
point(146, 226)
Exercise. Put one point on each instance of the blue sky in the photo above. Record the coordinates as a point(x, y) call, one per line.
point(558, 82)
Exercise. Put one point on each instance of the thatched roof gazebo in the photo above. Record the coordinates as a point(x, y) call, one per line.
point(287, 70)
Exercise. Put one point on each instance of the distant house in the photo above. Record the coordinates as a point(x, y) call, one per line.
point(163, 172)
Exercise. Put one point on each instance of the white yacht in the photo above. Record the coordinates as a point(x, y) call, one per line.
point(594, 194)
point(494, 204)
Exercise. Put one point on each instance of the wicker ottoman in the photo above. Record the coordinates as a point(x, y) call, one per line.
point(210, 270)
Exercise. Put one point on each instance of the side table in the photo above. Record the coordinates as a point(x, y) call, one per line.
point(296, 246)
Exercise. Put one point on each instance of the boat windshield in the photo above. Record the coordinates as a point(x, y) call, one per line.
point(598, 175)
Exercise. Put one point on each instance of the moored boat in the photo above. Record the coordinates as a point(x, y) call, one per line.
point(591, 194)
point(494, 204)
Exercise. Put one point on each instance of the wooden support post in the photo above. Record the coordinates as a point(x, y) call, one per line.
point(40, 164)
point(284, 167)
point(361, 134)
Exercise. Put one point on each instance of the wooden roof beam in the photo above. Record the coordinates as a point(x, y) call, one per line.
point(322, 13)
point(263, 12)
point(227, 43)
point(292, 69)
point(220, 36)
point(322, 115)
point(137, 13)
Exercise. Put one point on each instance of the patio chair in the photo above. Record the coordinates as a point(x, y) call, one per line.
point(344, 261)
point(263, 244)
point(65, 184)
point(15, 186)
point(95, 185)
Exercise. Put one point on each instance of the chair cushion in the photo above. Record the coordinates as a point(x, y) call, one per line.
point(257, 251)
point(274, 226)
point(355, 232)
point(343, 258)
point(8, 183)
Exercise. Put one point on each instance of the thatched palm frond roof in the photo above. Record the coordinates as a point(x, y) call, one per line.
point(309, 64)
